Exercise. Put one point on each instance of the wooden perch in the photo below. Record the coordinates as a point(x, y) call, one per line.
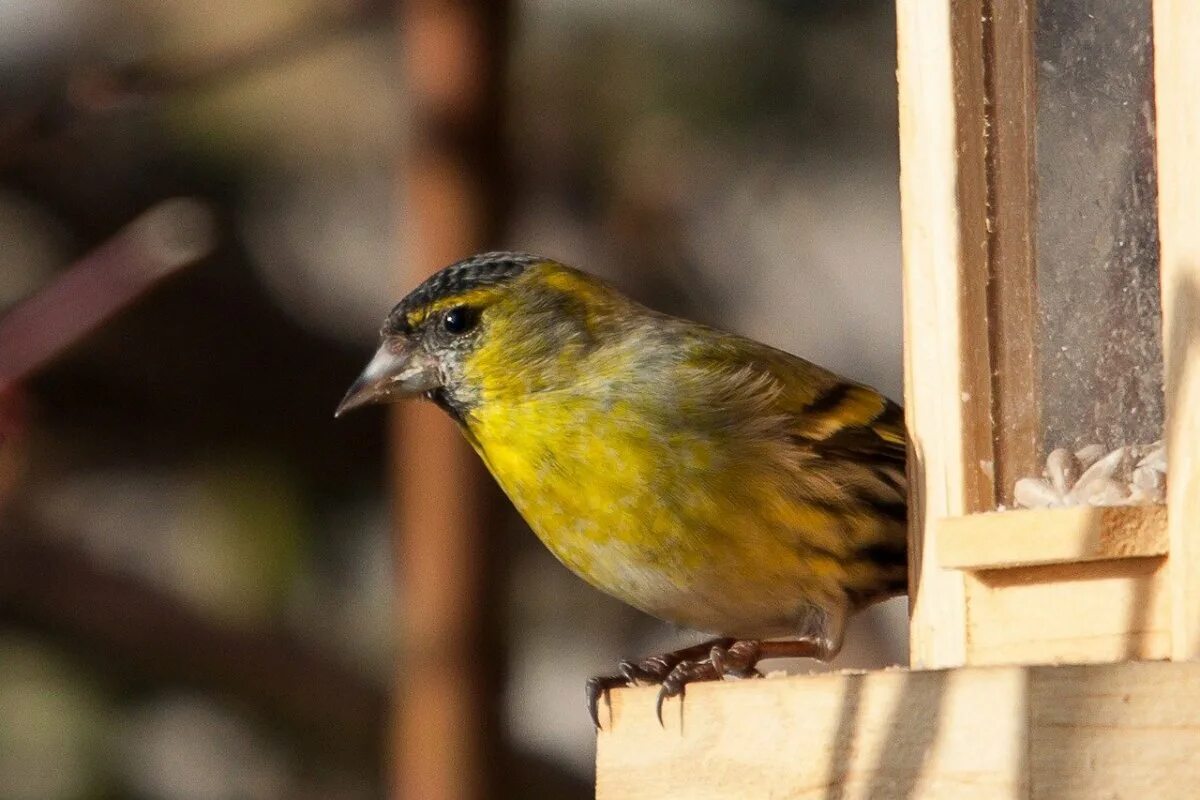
point(995, 733)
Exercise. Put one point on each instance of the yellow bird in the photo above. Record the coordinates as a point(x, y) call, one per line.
point(702, 477)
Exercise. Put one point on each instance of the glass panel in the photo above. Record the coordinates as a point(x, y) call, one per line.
point(1098, 375)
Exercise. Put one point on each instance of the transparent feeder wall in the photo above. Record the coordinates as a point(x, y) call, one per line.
point(1098, 371)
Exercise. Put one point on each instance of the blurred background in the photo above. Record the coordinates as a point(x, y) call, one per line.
point(205, 584)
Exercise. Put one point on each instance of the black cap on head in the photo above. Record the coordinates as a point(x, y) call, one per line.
point(479, 270)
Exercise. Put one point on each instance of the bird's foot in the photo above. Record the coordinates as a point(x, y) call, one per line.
point(710, 661)
point(650, 671)
point(737, 659)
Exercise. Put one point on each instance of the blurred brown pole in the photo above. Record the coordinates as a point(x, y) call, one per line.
point(446, 708)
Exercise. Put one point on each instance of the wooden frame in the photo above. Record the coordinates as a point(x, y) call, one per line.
point(1028, 538)
point(1012, 314)
point(943, 200)
point(1177, 87)
point(1076, 585)
point(972, 436)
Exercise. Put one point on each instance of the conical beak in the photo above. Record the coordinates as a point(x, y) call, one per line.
point(398, 371)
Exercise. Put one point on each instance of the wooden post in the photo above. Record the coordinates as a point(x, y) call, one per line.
point(1177, 97)
point(943, 191)
point(446, 705)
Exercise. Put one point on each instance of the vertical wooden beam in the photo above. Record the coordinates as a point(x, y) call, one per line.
point(1013, 321)
point(1177, 96)
point(446, 701)
point(943, 199)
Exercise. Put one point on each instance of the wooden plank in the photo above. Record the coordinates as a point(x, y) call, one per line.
point(1097, 612)
point(1051, 536)
point(1125, 731)
point(947, 377)
point(1079, 732)
point(1013, 323)
point(883, 735)
point(1177, 97)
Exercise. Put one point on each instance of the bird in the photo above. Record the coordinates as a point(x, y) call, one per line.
point(705, 478)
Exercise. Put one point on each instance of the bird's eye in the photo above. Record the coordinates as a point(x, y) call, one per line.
point(459, 319)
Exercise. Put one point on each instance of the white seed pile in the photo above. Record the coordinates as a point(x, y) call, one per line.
point(1131, 475)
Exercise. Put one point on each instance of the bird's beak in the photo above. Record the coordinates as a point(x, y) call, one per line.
point(399, 370)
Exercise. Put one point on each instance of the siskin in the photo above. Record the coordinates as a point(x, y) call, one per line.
point(704, 478)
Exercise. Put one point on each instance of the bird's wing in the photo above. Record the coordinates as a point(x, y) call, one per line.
point(847, 444)
point(856, 437)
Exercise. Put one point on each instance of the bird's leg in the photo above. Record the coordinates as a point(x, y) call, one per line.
point(737, 660)
point(652, 670)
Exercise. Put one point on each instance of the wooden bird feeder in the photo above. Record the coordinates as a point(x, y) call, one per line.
point(1050, 191)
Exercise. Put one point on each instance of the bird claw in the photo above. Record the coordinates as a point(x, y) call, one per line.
point(738, 660)
point(672, 672)
point(647, 672)
point(734, 660)
point(600, 687)
point(725, 660)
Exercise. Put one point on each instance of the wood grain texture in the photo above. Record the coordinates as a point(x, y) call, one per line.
point(1077, 732)
point(1177, 97)
point(947, 377)
point(1122, 731)
point(879, 735)
point(1096, 612)
point(1013, 324)
point(1050, 536)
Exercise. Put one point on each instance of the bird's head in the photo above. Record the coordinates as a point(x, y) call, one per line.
point(492, 325)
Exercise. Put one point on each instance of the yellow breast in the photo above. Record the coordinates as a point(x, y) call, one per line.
point(664, 522)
